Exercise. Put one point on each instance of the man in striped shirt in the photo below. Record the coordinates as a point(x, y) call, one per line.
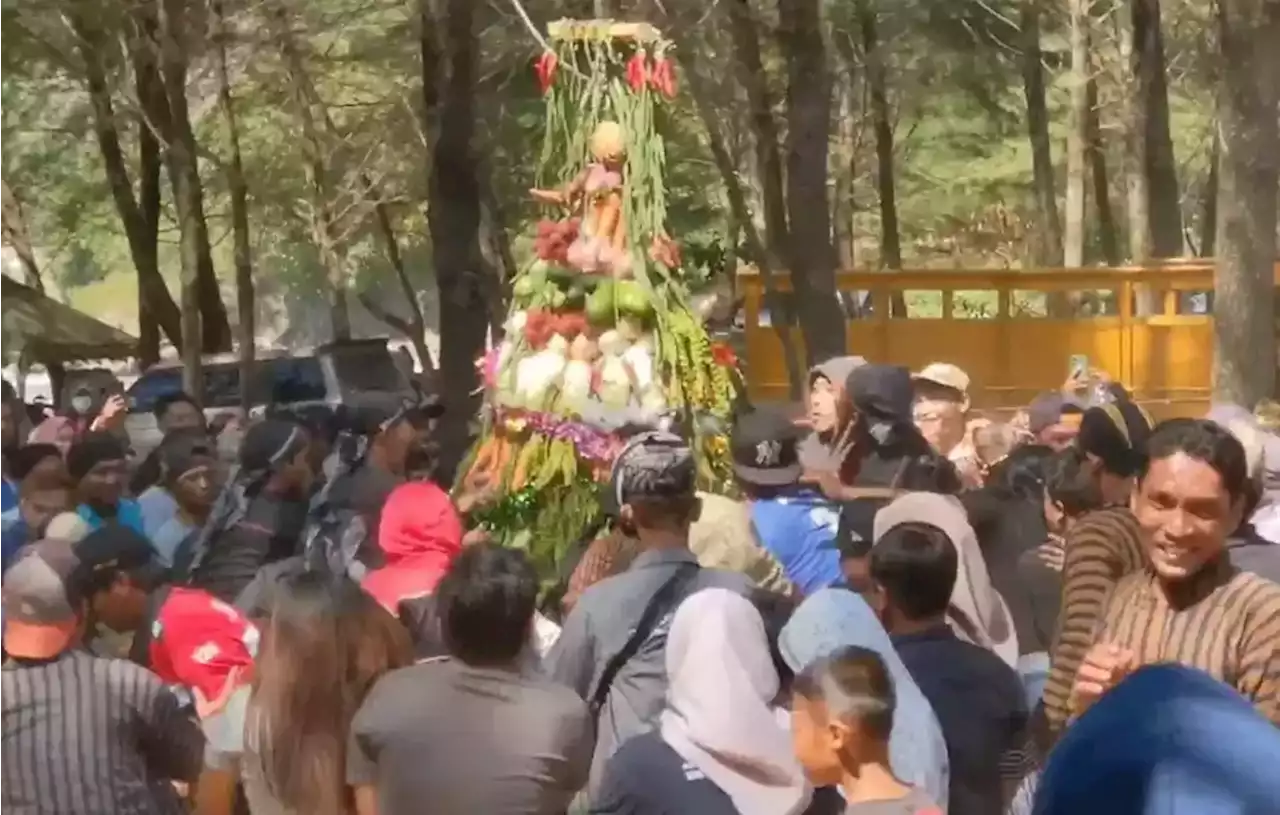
point(81, 735)
point(1188, 604)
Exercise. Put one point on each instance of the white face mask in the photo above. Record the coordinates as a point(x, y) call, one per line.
point(81, 404)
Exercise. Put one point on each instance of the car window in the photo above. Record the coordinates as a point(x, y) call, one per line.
point(290, 380)
point(149, 387)
point(374, 371)
point(221, 385)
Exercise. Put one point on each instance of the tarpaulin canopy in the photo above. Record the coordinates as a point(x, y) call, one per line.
point(46, 331)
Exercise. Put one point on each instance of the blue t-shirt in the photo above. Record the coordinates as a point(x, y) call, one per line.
point(128, 513)
point(799, 530)
point(8, 496)
point(158, 507)
point(13, 537)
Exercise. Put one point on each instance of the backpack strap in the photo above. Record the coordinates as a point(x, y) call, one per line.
point(663, 601)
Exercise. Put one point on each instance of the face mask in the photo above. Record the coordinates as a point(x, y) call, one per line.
point(81, 404)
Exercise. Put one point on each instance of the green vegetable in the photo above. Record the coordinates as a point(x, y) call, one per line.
point(524, 286)
point(600, 304)
point(560, 275)
point(632, 299)
point(558, 299)
point(577, 295)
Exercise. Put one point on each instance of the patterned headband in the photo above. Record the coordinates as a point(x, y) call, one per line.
point(655, 463)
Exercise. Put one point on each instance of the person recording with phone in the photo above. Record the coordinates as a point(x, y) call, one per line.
point(85, 413)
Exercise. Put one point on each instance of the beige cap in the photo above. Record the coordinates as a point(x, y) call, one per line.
point(944, 374)
point(67, 526)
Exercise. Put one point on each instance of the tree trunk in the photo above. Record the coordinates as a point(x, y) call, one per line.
point(757, 251)
point(17, 235)
point(415, 328)
point(1160, 166)
point(323, 221)
point(1096, 153)
point(882, 120)
point(238, 188)
point(184, 178)
point(142, 251)
point(768, 155)
point(183, 160)
point(845, 156)
point(1248, 177)
point(1135, 149)
point(813, 258)
point(454, 220)
point(495, 250)
point(154, 119)
point(1048, 245)
point(882, 125)
point(1077, 136)
point(1209, 203)
point(1137, 197)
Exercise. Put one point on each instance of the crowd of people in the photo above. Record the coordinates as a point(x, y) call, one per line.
point(904, 608)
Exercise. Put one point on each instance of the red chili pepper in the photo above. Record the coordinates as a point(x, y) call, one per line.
point(636, 72)
point(545, 68)
point(723, 355)
point(660, 68)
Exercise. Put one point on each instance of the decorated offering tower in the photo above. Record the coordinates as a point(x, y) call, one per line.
point(601, 332)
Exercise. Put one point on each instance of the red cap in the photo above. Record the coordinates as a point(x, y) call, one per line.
point(197, 641)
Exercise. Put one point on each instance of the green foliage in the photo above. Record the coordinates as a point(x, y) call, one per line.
point(81, 268)
point(962, 156)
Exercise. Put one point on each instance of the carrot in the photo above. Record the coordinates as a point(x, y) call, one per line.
point(503, 460)
point(620, 234)
point(484, 455)
point(521, 475)
point(608, 217)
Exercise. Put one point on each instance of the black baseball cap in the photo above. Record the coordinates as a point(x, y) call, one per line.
point(765, 448)
point(117, 548)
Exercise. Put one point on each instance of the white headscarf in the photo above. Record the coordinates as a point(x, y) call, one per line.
point(1262, 451)
point(721, 683)
point(977, 613)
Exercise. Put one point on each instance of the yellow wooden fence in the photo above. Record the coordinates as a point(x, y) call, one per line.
point(996, 324)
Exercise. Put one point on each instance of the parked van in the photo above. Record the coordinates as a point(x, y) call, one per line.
point(351, 372)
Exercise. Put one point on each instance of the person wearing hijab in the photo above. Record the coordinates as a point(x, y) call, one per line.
point(837, 618)
point(258, 518)
point(822, 449)
point(1007, 515)
point(978, 697)
point(1101, 546)
point(721, 747)
point(977, 613)
point(419, 536)
point(1253, 546)
point(1168, 739)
